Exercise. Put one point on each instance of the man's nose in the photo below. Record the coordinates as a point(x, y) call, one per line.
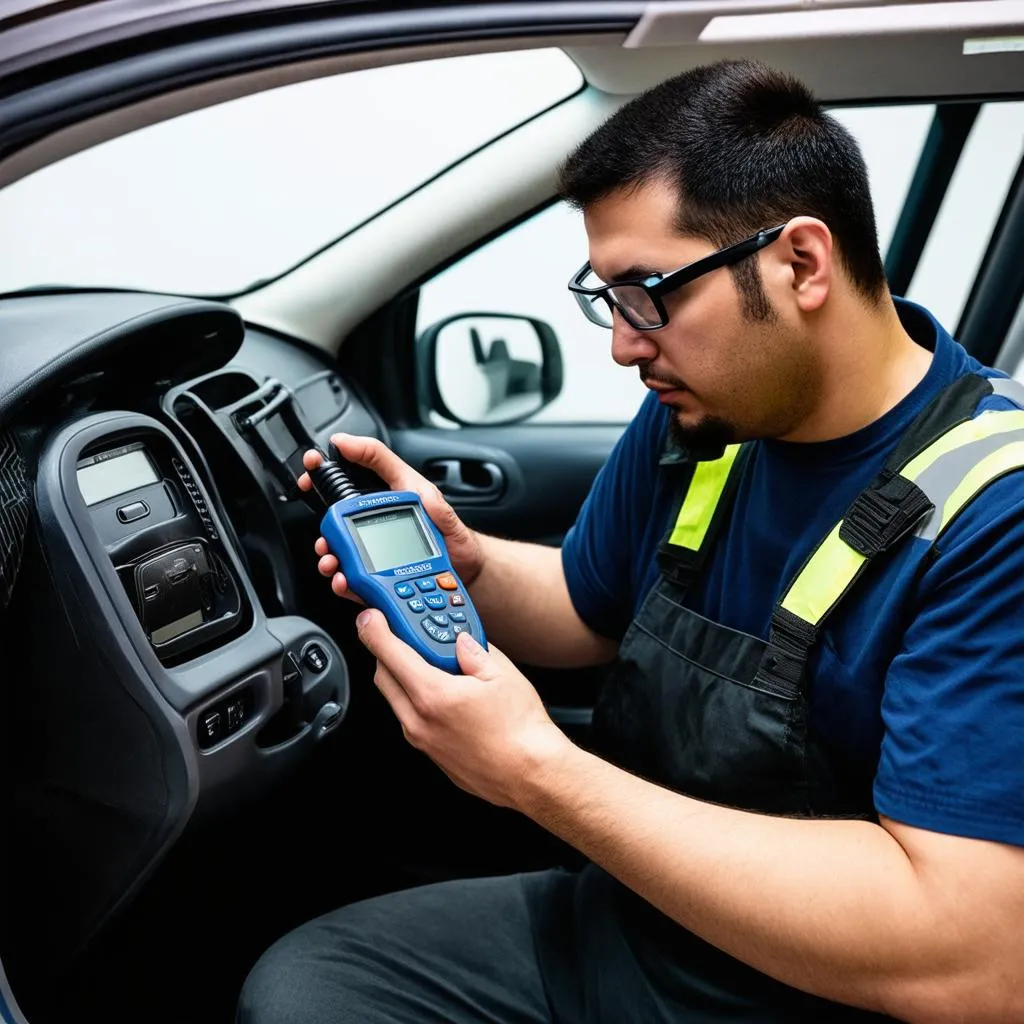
point(630, 346)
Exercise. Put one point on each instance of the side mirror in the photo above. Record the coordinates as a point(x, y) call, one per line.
point(489, 368)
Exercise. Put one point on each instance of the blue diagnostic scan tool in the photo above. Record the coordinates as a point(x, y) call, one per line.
point(395, 559)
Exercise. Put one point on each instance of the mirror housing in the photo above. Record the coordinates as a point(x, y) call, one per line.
point(486, 369)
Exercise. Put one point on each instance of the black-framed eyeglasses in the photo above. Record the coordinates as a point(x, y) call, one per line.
point(639, 300)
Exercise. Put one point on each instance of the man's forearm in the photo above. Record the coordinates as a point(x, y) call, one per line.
point(522, 597)
point(837, 908)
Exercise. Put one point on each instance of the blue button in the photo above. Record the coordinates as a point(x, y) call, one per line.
point(426, 585)
point(435, 600)
point(464, 628)
point(458, 616)
point(440, 618)
point(404, 589)
point(439, 633)
point(416, 605)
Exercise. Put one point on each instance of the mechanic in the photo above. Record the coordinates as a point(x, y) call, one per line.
point(809, 792)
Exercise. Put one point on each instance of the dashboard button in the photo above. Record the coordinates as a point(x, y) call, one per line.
point(404, 589)
point(417, 606)
point(235, 713)
point(136, 510)
point(435, 601)
point(440, 618)
point(426, 585)
point(210, 728)
point(458, 616)
point(457, 600)
point(446, 581)
point(315, 658)
point(291, 670)
point(461, 627)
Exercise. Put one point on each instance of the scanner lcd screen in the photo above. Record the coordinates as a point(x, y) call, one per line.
point(393, 538)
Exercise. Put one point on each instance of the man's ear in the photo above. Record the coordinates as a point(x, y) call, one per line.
point(803, 256)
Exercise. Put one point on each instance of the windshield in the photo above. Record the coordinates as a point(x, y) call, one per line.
point(212, 202)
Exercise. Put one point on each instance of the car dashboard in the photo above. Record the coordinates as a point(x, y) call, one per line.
point(167, 669)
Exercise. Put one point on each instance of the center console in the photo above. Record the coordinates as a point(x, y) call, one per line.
point(167, 691)
point(157, 529)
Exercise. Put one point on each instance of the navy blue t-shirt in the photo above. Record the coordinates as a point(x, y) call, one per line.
point(935, 698)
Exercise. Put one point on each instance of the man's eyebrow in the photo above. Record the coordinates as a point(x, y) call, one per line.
point(637, 270)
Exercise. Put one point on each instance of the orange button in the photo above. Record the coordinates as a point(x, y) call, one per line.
point(446, 581)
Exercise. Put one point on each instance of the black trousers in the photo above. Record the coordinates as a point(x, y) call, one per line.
point(520, 949)
point(460, 952)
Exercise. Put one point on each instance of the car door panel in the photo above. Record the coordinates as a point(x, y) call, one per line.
point(546, 472)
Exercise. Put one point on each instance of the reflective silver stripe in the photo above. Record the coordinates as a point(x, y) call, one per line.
point(947, 472)
point(1006, 387)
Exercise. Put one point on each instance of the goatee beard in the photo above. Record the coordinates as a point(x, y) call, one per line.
point(704, 441)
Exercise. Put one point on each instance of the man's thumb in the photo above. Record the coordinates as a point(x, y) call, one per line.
point(473, 659)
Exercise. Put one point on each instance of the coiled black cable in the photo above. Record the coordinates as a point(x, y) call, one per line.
point(331, 482)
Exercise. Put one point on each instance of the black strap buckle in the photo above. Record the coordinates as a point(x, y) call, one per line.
point(784, 662)
point(679, 564)
point(881, 515)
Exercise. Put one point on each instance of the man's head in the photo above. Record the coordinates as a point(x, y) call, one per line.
point(703, 161)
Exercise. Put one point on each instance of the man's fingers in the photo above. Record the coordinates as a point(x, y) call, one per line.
point(418, 678)
point(328, 565)
point(378, 458)
point(320, 547)
point(372, 454)
point(340, 587)
point(398, 475)
point(396, 697)
point(310, 459)
point(473, 659)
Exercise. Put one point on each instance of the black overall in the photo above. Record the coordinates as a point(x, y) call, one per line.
point(686, 709)
point(722, 716)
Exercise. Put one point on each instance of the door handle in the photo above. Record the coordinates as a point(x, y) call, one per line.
point(466, 478)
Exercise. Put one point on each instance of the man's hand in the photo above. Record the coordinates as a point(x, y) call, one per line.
point(463, 545)
point(486, 729)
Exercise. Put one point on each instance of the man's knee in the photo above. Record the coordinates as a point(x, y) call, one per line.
point(313, 975)
point(263, 999)
point(455, 951)
point(281, 984)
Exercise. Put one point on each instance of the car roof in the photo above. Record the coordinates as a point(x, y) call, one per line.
point(64, 62)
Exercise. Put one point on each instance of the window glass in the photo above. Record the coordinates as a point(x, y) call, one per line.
point(976, 193)
point(525, 271)
point(212, 201)
point(890, 140)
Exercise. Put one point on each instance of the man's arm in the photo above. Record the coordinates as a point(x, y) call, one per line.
point(916, 924)
point(522, 595)
point(890, 918)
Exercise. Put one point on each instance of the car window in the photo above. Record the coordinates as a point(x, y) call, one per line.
point(970, 207)
point(210, 202)
point(524, 271)
point(890, 140)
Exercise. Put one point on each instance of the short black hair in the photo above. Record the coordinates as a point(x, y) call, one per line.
point(746, 147)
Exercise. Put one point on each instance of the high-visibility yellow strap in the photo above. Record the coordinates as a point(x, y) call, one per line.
point(702, 497)
point(835, 565)
point(829, 571)
point(988, 469)
point(985, 425)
